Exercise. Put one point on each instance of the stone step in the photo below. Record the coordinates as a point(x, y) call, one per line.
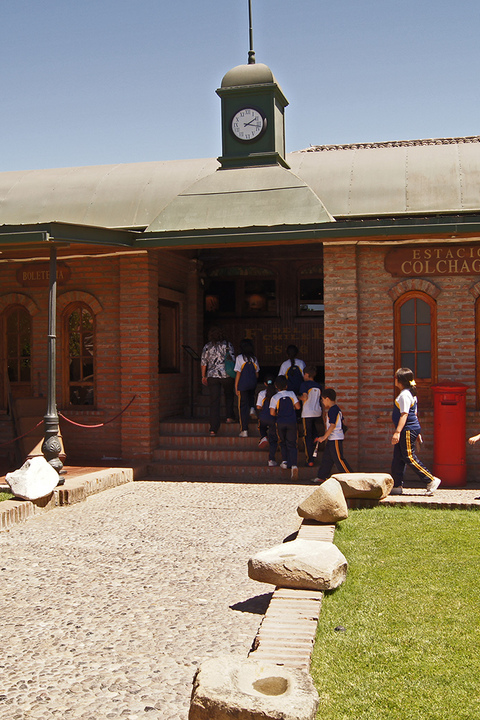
point(234, 456)
point(198, 427)
point(192, 426)
point(209, 470)
point(187, 451)
point(219, 442)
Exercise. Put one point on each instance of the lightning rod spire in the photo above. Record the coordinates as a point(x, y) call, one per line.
point(251, 52)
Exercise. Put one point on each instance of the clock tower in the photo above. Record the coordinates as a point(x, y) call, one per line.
point(253, 122)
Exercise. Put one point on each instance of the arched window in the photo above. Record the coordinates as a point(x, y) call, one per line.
point(80, 350)
point(18, 343)
point(477, 349)
point(416, 339)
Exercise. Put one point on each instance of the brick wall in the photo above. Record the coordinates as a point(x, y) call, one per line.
point(342, 336)
point(122, 291)
point(359, 350)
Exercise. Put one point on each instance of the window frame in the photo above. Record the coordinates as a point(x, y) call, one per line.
point(239, 277)
point(67, 382)
point(17, 308)
point(174, 341)
point(314, 272)
point(477, 352)
point(424, 385)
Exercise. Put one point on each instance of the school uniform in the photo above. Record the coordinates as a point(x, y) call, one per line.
point(404, 451)
point(283, 402)
point(312, 412)
point(267, 423)
point(293, 373)
point(333, 453)
point(246, 385)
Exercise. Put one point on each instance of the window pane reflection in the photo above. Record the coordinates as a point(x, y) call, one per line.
point(81, 347)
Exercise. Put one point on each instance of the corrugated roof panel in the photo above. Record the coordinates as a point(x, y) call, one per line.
point(394, 178)
point(328, 174)
point(469, 159)
point(127, 195)
point(378, 182)
point(243, 197)
point(432, 178)
point(351, 181)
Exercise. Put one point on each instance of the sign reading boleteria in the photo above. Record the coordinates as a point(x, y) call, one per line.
point(38, 274)
point(433, 260)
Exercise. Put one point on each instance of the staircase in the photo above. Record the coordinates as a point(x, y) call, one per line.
point(187, 453)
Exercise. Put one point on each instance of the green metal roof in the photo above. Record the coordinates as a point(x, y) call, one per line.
point(397, 178)
point(352, 182)
point(242, 197)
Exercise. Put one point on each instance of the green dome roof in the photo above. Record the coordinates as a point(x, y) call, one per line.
point(254, 74)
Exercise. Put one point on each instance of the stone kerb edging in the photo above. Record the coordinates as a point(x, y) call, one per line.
point(278, 685)
point(75, 490)
point(282, 649)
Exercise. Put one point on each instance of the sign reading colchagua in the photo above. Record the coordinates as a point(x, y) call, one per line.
point(434, 260)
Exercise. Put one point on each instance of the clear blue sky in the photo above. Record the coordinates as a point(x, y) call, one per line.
point(88, 82)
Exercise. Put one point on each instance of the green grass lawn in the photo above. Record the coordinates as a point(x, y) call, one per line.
point(5, 496)
point(410, 609)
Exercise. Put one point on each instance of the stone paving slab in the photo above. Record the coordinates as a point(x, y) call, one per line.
point(109, 605)
point(79, 484)
point(467, 498)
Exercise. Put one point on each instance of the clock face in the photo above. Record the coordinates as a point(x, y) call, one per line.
point(248, 124)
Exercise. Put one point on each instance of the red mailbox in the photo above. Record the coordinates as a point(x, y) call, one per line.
point(449, 433)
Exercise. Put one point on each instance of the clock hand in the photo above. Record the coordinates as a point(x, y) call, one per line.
point(251, 121)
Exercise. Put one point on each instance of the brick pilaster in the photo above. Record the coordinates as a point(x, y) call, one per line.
point(138, 315)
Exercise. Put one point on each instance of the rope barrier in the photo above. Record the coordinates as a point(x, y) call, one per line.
point(72, 422)
point(9, 442)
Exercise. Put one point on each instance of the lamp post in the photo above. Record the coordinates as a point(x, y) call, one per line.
point(51, 446)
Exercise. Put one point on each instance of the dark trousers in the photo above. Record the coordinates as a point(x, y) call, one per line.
point(246, 400)
point(403, 455)
point(269, 430)
point(215, 386)
point(310, 432)
point(287, 435)
point(333, 455)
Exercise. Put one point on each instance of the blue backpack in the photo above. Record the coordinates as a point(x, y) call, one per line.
point(294, 378)
point(286, 410)
point(248, 377)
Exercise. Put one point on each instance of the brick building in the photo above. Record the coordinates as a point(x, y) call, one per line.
point(366, 256)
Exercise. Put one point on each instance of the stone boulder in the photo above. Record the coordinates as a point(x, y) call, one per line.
point(236, 689)
point(326, 504)
point(305, 564)
point(365, 485)
point(35, 479)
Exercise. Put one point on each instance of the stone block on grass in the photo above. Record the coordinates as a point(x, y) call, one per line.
point(365, 485)
point(326, 504)
point(302, 564)
point(235, 689)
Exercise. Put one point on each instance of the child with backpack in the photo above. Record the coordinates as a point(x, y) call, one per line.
point(334, 435)
point(282, 407)
point(293, 369)
point(266, 423)
point(246, 377)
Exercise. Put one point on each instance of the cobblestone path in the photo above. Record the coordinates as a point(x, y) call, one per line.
point(108, 606)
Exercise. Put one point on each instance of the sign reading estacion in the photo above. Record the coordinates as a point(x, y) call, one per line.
point(38, 274)
point(433, 260)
